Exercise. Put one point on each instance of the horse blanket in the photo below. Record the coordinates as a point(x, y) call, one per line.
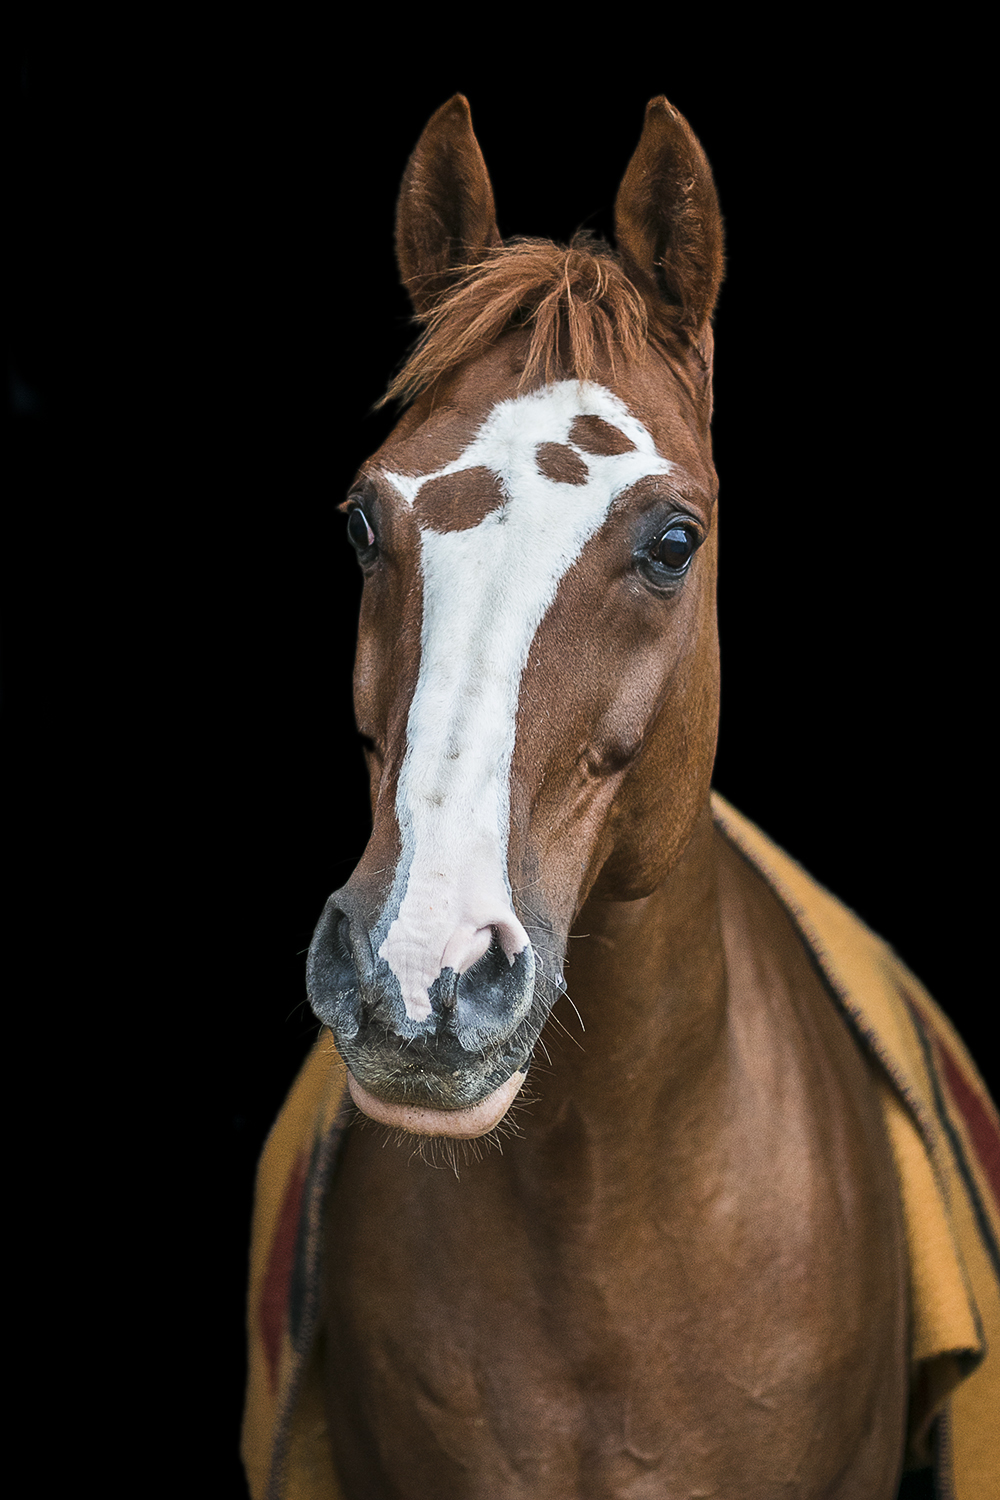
point(945, 1138)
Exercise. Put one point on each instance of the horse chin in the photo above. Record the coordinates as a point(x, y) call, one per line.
point(460, 1124)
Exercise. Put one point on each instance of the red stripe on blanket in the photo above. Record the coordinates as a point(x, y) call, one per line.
point(273, 1306)
point(982, 1131)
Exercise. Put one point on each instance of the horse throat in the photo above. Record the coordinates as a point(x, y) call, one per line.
point(648, 977)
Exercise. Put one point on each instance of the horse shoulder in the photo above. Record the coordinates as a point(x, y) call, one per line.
point(820, 1222)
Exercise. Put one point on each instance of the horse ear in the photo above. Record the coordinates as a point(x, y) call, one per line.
point(668, 223)
point(445, 219)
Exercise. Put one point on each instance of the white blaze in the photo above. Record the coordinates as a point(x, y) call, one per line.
point(486, 590)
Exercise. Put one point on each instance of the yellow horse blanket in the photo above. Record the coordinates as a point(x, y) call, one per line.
point(945, 1136)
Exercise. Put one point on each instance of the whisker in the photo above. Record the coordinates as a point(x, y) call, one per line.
point(578, 1015)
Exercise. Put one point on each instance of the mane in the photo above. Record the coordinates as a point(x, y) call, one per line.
point(576, 299)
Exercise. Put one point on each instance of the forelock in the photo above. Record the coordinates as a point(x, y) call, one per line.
point(576, 301)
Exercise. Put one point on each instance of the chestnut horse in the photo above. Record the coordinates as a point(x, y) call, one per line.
point(683, 1271)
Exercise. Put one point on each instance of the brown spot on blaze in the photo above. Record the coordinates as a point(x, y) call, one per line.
point(560, 463)
point(455, 502)
point(594, 435)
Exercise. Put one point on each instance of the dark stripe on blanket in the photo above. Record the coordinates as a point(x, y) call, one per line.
point(277, 1279)
point(982, 1218)
point(980, 1126)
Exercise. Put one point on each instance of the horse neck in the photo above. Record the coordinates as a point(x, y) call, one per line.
point(649, 980)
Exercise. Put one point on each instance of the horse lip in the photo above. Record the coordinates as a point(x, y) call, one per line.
point(438, 1076)
point(463, 1123)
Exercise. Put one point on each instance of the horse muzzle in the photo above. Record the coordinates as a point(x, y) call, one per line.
point(449, 1067)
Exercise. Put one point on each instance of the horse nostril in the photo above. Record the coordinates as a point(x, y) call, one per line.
point(342, 938)
point(331, 973)
point(493, 996)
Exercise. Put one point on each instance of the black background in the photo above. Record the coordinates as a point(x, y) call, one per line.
point(206, 307)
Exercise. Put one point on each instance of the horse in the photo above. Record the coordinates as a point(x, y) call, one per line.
point(617, 1213)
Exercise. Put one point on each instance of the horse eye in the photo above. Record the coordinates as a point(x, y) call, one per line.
point(675, 548)
point(359, 532)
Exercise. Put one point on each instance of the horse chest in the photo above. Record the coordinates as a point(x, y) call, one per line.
point(467, 1357)
point(475, 1351)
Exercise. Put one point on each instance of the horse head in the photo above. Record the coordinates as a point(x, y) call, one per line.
point(536, 679)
